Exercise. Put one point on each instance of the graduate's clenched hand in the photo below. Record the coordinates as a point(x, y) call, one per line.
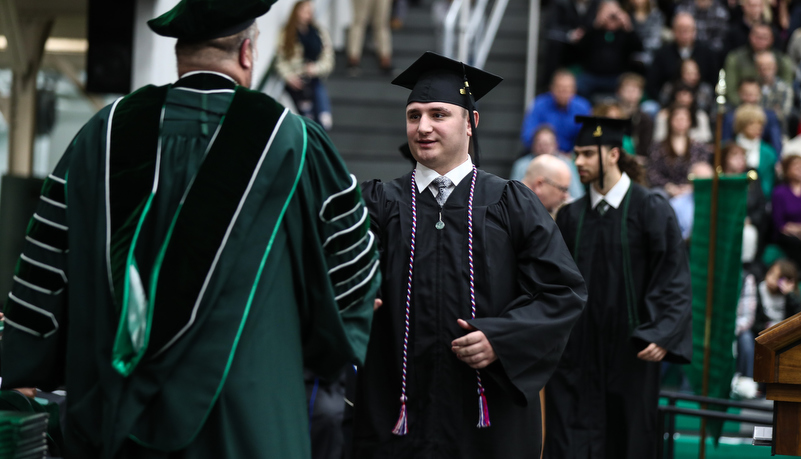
point(377, 304)
point(474, 348)
point(652, 353)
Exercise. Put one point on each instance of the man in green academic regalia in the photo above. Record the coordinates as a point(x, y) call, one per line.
point(196, 247)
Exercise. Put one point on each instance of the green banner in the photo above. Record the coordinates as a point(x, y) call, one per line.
point(732, 196)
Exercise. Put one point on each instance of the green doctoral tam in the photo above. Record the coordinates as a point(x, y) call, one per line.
point(199, 20)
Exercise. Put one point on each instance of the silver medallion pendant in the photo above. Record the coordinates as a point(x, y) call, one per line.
point(440, 224)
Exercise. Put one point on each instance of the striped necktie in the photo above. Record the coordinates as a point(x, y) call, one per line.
point(443, 186)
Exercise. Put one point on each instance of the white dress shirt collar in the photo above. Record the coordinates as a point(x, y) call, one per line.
point(614, 196)
point(425, 176)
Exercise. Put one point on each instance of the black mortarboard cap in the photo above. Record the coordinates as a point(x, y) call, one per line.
point(609, 131)
point(436, 78)
point(198, 20)
point(596, 130)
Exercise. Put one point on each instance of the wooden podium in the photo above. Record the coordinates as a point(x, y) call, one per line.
point(777, 362)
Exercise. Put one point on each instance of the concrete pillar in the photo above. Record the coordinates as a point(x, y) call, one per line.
point(26, 41)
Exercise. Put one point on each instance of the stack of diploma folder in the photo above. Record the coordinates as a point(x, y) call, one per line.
point(23, 435)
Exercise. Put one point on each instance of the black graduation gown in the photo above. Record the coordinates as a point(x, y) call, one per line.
point(602, 400)
point(529, 294)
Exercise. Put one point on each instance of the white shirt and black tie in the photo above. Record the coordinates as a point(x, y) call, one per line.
point(613, 198)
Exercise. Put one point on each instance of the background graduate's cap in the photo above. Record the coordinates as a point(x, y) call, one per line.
point(596, 130)
point(436, 78)
point(199, 20)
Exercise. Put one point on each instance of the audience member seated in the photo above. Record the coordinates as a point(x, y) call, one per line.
point(762, 306)
point(608, 109)
point(684, 204)
point(670, 159)
point(557, 108)
point(629, 94)
point(740, 61)
point(667, 60)
point(786, 209)
point(683, 96)
point(690, 76)
point(757, 221)
point(751, 12)
point(778, 295)
point(749, 122)
point(611, 109)
point(549, 178)
point(545, 144)
point(648, 22)
point(749, 92)
point(571, 19)
point(711, 23)
point(746, 310)
point(606, 51)
point(794, 48)
point(777, 95)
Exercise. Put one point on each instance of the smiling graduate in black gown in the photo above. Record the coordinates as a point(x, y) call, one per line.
point(428, 358)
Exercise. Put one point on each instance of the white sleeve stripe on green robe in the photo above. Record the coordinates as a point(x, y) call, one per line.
point(45, 266)
point(347, 230)
point(35, 310)
point(52, 202)
point(349, 189)
point(355, 259)
point(37, 288)
point(57, 179)
point(50, 223)
point(357, 286)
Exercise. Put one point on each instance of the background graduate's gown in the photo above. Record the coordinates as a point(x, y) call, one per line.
point(529, 294)
point(602, 400)
point(230, 385)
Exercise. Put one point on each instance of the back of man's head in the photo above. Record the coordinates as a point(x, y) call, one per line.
point(207, 53)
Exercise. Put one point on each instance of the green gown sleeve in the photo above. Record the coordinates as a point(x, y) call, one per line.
point(349, 256)
point(34, 340)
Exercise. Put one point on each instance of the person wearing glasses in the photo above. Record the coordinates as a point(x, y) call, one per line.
point(549, 178)
point(545, 143)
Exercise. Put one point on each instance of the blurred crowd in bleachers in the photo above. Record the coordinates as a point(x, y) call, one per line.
point(658, 63)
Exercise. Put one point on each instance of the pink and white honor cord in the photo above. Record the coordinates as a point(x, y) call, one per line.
point(401, 427)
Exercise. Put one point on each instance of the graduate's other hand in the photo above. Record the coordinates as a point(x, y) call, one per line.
point(377, 304)
point(474, 348)
point(652, 353)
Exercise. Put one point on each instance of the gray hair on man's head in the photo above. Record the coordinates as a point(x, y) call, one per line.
point(216, 48)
